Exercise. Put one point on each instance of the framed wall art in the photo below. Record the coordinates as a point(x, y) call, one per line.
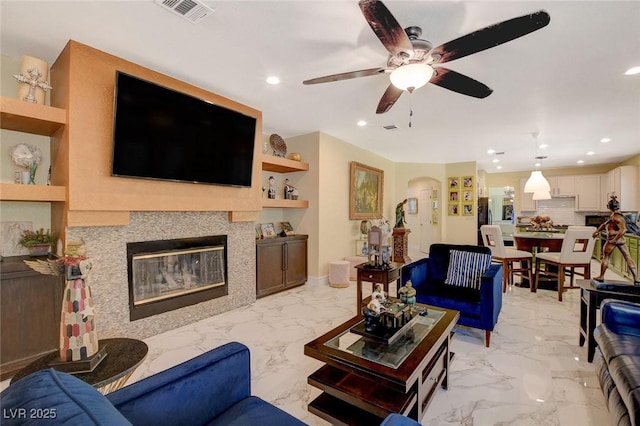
point(412, 205)
point(467, 209)
point(287, 228)
point(365, 192)
point(268, 230)
point(467, 182)
point(454, 209)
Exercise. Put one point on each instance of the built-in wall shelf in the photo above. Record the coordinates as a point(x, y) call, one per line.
point(18, 192)
point(272, 163)
point(282, 203)
point(27, 117)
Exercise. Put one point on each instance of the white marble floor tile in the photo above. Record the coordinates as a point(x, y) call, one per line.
point(534, 373)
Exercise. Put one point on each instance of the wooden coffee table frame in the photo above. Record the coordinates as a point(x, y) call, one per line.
point(357, 391)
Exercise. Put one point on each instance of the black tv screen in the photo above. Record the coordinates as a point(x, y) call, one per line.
point(160, 133)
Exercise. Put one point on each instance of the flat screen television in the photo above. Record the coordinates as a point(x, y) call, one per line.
point(160, 133)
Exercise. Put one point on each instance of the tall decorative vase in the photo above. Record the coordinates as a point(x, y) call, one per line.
point(78, 335)
point(32, 173)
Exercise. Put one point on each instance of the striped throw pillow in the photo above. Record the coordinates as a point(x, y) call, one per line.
point(466, 268)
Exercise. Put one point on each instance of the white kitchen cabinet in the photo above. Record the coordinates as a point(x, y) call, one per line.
point(623, 182)
point(587, 190)
point(525, 200)
point(562, 186)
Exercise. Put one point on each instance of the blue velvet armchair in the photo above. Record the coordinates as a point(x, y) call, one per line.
point(213, 389)
point(479, 308)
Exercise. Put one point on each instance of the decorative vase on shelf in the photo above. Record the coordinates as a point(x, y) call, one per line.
point(32, 173)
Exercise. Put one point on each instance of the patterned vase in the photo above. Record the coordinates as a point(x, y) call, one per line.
point(78, 335)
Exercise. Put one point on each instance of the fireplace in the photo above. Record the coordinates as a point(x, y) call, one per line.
point(165, 275)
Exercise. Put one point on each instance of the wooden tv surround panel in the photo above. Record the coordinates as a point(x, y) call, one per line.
point(84, 80)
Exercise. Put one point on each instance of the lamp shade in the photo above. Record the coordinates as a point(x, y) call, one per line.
point(542, 195)
point(537, 183)
point(412, 76)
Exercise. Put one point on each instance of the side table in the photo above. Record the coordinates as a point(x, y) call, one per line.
point(590, 299)
point(374, 275)
point(123, 357)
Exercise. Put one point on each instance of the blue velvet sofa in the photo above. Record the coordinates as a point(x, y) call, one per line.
point(479, 308)
point(213, 389)
point(617, 359)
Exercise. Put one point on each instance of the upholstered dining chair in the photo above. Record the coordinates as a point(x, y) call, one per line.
point(576, 251)
point(492, 238)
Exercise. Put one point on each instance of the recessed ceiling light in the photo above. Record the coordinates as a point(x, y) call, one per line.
point(273, 80)
point(495, 160)
point(590, 153)
point(499, 167)
point(632, 71)
point(491, 151)
point(605, 140)
point(538, 164)
point(544, 146)
point(580, 161)
point(362, 123)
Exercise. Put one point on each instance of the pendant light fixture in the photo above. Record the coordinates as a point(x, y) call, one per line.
point(537, 183)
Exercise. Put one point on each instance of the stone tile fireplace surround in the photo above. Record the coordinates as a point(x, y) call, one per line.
point(107, 247)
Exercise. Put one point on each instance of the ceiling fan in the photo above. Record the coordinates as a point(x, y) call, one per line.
point(411, 59)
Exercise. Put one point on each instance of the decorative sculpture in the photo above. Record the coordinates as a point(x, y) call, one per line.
point(34, 79)
point(78, 334)
point(400, 221)
point(407, 293)
point(272, 188)
point(616, 227)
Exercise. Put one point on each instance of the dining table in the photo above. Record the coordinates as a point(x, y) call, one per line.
point(537, 242)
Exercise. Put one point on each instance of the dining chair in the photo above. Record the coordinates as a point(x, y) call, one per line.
point(492, 238)
point(576, 251)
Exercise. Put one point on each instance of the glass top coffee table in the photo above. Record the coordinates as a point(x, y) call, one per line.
point(363, 380)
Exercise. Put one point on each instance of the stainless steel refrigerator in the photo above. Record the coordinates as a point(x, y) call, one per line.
point(484, 216)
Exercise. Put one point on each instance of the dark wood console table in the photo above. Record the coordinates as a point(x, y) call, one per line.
point(123, 357)
point(590, 299)
point(374, 275)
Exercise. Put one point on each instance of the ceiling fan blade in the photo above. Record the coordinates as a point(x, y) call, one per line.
point(489, 37)
point(457, 82)
point(345, 76)
point(391, 95)
point(386, 27)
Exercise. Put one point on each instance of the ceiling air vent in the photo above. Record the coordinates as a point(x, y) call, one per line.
point(390, 127)
point(192, 11)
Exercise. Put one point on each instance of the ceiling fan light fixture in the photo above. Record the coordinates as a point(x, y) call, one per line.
point(411, 77)
point(537, 183)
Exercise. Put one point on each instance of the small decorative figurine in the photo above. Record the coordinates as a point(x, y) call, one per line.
point(288, 189)
point(272, 188)
point(378, 293)
point(400, 221)
point(407, 294)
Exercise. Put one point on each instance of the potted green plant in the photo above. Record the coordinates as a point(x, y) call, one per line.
point(38, 242)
